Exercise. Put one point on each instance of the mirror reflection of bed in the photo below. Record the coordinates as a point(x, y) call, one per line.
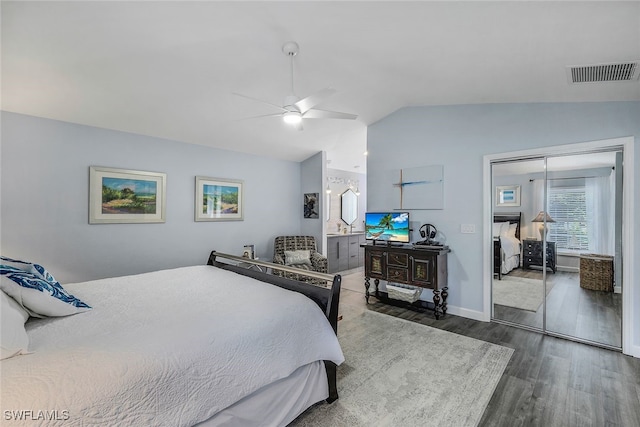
point(506, 242)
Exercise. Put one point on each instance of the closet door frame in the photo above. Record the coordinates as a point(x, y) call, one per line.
point(628, 280)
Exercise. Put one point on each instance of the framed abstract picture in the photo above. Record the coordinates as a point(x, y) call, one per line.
point(419, 188)
point(219, 199)
point(126, 196)
point(508, 195)
point(311, 205)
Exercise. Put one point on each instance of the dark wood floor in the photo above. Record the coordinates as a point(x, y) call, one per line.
point(571, 310)
point(548, 381)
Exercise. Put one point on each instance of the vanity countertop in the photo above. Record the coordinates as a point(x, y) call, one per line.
point(355, 233)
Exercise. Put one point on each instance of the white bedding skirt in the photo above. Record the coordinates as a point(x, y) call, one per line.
point(510, 263)
point(276, 404)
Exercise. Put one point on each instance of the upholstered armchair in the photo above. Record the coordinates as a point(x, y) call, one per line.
point(299, 252)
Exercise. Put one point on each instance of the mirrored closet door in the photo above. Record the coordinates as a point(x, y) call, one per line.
point(564, 216)
point(584, 203)
point(518, 274)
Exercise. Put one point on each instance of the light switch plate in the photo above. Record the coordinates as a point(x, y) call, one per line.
point(467, 228)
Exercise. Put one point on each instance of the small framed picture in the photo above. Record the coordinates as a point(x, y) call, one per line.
point(311, 206)
point(218, 199)
point(508, 195)
point(126, 196)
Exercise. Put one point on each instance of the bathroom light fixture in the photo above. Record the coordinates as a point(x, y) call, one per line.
point(328, 190)
point(357, 191)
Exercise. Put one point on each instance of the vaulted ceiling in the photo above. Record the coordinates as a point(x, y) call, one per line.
point(170, 69)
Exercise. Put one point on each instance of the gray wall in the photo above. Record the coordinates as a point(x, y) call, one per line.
point(526, 202)
point(44, 200)
point(458, 137)
point(311, 180)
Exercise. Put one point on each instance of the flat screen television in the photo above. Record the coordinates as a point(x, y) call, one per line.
point(389, 227)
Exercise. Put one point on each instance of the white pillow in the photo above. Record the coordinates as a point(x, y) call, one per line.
point(297, 257)
point(512, 230)
point(39, 297)
point(13, 337)
point(500, 228)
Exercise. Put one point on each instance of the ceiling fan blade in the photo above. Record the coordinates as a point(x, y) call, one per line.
point(325, 114)
point(311, 101)
point(279, 107)
point(257, 117)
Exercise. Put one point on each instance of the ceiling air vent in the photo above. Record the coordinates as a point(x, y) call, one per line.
point(615, 72)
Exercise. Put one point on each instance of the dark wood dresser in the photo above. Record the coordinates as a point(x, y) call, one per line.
point(424, 267)
point(532, 254)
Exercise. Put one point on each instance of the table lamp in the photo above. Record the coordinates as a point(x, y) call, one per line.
point(542, 217)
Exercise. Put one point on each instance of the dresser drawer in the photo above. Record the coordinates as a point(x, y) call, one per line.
point(398, 259)
point(395, 274)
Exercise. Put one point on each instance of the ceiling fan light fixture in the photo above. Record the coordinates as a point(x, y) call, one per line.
point(292, 117)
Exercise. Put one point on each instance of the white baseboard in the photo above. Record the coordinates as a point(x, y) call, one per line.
point(634, 351)
point(469, 314)
point(617, 289)
point(568, 269)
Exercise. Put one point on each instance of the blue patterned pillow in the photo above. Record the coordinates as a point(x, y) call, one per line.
point(29, 267)
point(39, 296)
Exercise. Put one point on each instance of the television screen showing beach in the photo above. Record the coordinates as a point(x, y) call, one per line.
point(219, 199)
point(390, 226)
point(128, 196)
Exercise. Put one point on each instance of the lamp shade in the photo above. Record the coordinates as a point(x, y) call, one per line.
point(542, 217)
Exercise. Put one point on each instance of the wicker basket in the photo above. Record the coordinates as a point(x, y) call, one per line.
point(596, 272)
point(403, 292)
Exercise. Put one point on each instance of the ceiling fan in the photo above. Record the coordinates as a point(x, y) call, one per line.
point(295, 109)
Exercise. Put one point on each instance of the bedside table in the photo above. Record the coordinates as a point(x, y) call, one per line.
point(532, 254)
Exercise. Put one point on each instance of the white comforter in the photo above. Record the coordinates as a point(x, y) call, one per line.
point(168, 348)
point(510, 253)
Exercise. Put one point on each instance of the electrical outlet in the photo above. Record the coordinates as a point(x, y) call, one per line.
point(467, 228)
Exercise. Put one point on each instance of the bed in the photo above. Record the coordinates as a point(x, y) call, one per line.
point(507, 246)
point(215, 344)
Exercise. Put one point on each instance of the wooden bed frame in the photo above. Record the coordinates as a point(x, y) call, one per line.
point(511, 218)
point(327, 298)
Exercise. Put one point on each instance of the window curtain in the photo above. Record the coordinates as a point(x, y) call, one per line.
point(600, 194)
point(537, 205)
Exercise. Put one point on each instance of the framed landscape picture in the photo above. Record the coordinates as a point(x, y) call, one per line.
point(219, 199)
point(126, 196)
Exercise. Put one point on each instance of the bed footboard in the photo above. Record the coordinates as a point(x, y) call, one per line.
point(327, 298)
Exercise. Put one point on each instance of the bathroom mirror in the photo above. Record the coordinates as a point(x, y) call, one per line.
point(349, 206)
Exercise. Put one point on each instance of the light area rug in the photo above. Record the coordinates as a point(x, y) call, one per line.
point(519, 292)
point(355, 282)
point(401, 373)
